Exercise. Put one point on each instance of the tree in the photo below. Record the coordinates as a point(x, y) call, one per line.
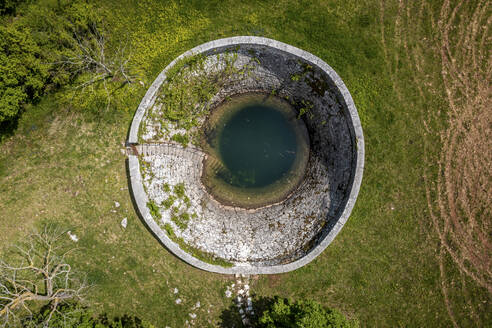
point(50, 45)
point(94, 64)
point(40, 34)
point(82, 317)
point(284, 313)
point(38, 274)
point(22, 74)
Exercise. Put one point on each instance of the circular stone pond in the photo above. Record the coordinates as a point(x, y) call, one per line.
point(257, 150)
point(246, 156)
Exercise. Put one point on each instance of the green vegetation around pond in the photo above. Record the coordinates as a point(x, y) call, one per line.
point(63, 164)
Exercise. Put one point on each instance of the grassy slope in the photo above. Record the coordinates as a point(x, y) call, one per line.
point(65, 166)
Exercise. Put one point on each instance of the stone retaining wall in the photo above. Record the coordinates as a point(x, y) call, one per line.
point(284, 236)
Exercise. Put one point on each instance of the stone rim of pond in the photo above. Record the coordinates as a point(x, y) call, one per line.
point(336, 195)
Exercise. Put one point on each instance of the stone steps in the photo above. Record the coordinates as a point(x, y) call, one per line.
point(166, 149)
point(215, 164)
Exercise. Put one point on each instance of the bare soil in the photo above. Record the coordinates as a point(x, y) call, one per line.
point(459, 196)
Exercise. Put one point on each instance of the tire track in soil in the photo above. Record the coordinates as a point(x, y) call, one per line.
point(466, 156)
point(459, 203)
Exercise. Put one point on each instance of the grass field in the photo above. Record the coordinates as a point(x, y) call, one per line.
point(416, 249)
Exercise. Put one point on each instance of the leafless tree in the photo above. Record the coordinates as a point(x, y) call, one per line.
point(38, 274)
point(91, 56)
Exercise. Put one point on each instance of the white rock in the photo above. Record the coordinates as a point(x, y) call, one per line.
point(178, 301)
point(175, 291)
point(197, 305)
point(124, 222)
point(241, 291)
point(228, 293)
point(192, 315)
point(116, 204)
point(73, 236)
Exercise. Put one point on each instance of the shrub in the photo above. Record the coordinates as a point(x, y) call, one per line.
point(187, 201)
point(183, 139)
point(179, 190)
point(169, 230)
point(22, 74)
point(154, 209)
point(75, 316)
point(32, 44)
point(303, 313)
point(56, 28)
point(168, 202)
point(182, 224)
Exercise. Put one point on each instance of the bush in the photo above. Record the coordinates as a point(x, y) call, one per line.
point(75, 316)
point(22, 73)
point(32, 45)
point(56, 29)
point(303, 314)
point(154, 209)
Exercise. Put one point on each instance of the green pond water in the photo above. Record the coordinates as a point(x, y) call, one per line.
point(257, 145)
point(258, 150)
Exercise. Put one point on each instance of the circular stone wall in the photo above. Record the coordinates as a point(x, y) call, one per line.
point(167, 162)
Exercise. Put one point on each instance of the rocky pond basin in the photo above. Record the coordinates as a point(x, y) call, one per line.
point(257, 150)
point(246, 156)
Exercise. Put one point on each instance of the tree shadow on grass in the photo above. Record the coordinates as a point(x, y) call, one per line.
point(8, 128)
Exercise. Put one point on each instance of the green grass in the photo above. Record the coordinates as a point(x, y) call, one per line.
point(154, 209)
point(179, 190)
point(168, 202)
point(183, 139)
point(64, 164)
point(180, 221)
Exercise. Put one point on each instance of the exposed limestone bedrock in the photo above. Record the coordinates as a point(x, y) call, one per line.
point(279, 237)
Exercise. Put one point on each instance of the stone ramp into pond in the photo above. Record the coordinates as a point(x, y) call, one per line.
point(270, 235)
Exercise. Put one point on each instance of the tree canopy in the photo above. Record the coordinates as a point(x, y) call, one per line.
point(284, 313)
point(22, 74)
